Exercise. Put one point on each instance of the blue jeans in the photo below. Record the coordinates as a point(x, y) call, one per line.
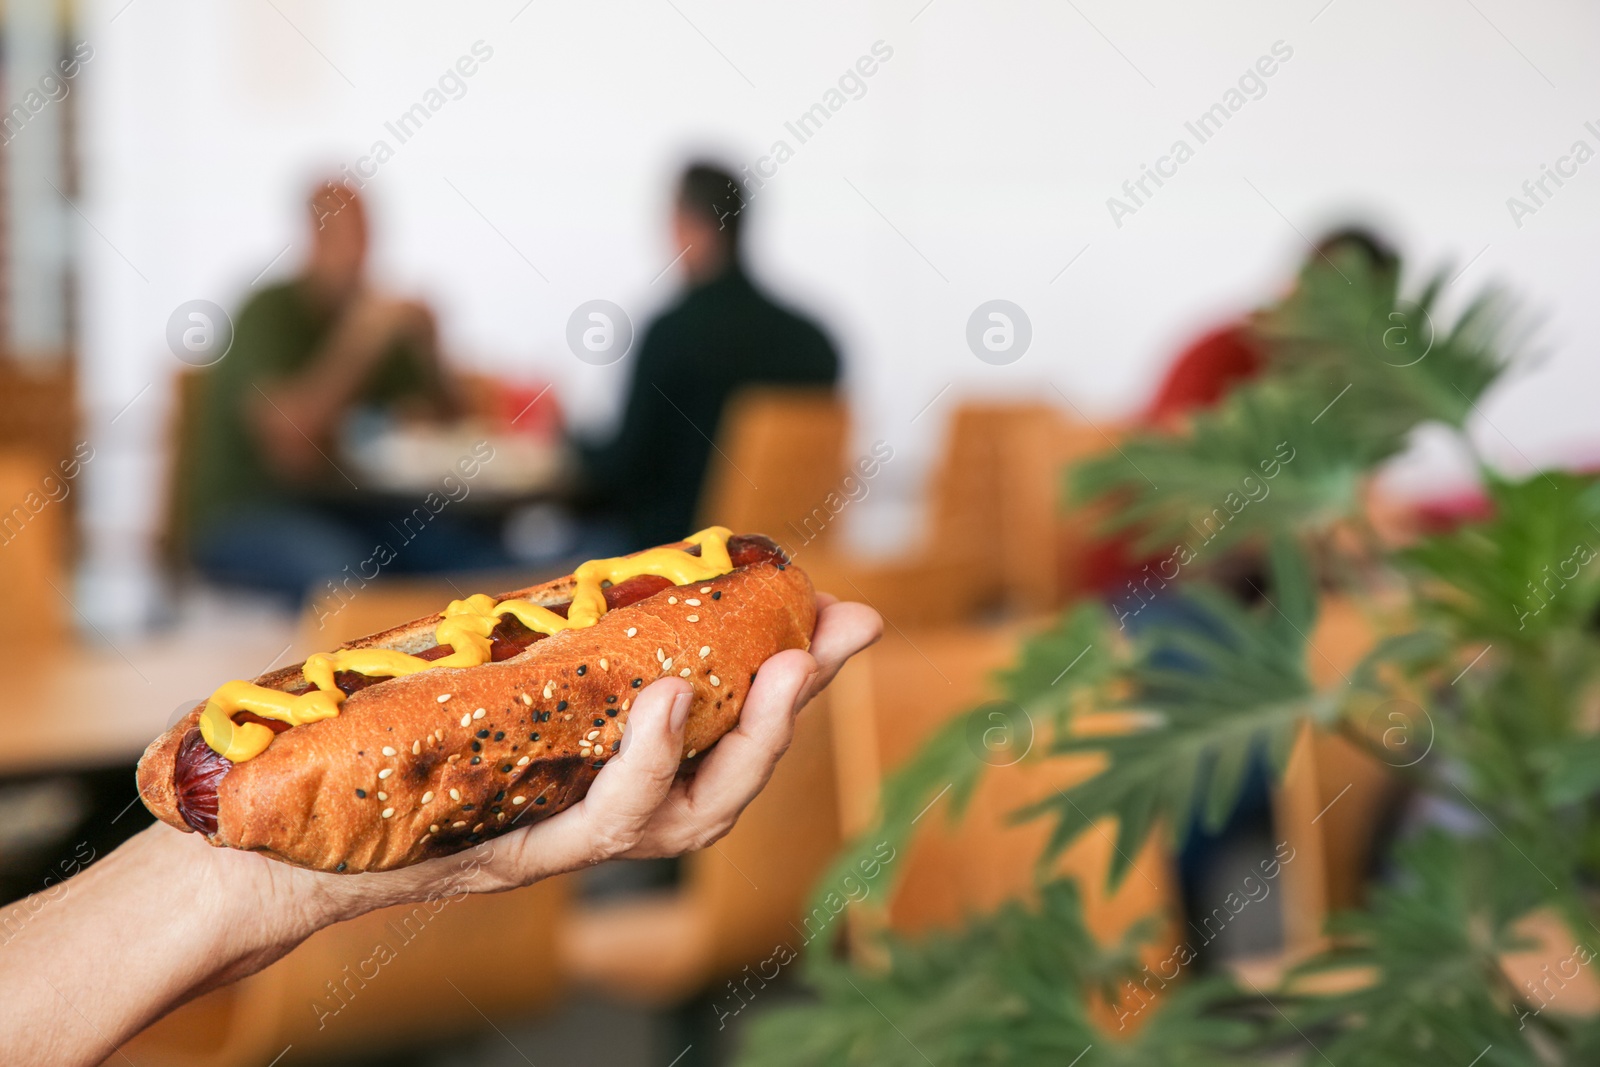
point(287, 549)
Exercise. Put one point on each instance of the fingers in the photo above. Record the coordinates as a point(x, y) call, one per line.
point(741, 763)
point(843, 629)
point(612, 818)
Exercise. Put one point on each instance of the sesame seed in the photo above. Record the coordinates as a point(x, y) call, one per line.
point(715, 680)
point(362, 793)
point(625, 703)
point(632, 630)
point(684, 673)
point(434, 828)
point(717, 595)
point(548, 693)
point(386, 772)
point(453, 757)
point(479, 714)
point(591, 735)
point(523, 762)
point(660, 655)
point(691, 753)
point(666, 664)
point(483, 733)
point(604, 665)
point(416, 748)
point(672, 600)
point(528, 700)
point(476, 760)
point(478, 829)
point(693, 603)
point(455, 794)
point(599, 722)
point(583, 669)
point(387, 751)
point(466, 720)
point(705, 650)
point(562, 706)
point(443, 697)
point(538, 800)
point(694, 618)
point(499, 735)
point(519, 800)
point(506, 769)
point(382, 795)
point(387, 812)
point(705, 589)
point(427, 796)
point(457, 825)
point(637, 682)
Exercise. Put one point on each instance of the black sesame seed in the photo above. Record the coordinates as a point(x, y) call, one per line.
point(341, 866)
point(611, 712)
point(538, 800)
point(506, 769)
point(637, 682)
point(614, 745)
point(561, 706)
point(599, 764)
point(362, 793)
point(583, 669)
point(752, 677)
point(611, 700)
point(467, 807)
point(500, 795)
point(483, 733)
point(599, 722)
point(499, 735)
point(533, 737)
point(545, 717)
point(476, 760)
point(496, 810)
point(717, 595)
point(477, 746)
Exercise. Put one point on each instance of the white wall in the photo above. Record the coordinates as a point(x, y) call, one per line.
point(990, 141)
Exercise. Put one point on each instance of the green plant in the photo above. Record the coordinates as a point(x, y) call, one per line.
point(1481, 687)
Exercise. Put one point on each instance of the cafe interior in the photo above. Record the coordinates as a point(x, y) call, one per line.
point(1041, 328)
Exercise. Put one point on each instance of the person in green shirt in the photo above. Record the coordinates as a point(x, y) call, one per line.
point(268, 506)
point(722, 335)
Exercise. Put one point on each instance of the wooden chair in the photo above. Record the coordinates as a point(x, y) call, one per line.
point(887, 703)
point(34, 588)
point(183, 436)
point(779, 454)
point(1334, 797)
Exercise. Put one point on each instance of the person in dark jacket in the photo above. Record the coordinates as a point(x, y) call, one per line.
point(722, 335)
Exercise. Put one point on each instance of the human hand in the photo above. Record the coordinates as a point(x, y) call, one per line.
point(637, 808)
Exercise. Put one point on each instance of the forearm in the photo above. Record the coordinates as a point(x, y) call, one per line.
point(147, 928)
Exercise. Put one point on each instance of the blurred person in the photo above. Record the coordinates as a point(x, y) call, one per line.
point(267, 507)
point(1210, 366)
point(723, 334)
point(167, 917)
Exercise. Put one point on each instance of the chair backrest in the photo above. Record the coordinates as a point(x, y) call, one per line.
point(887, 703)
point(780, 453)
point(183, 436)
point(33, 550)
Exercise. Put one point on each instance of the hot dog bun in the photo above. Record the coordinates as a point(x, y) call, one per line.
point(312, 798)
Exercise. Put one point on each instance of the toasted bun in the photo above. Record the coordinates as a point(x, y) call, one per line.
point(298, 801)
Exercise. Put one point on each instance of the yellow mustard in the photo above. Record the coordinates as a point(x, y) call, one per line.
point(465, 627)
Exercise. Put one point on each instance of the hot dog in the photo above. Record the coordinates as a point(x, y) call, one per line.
point(451, 729)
